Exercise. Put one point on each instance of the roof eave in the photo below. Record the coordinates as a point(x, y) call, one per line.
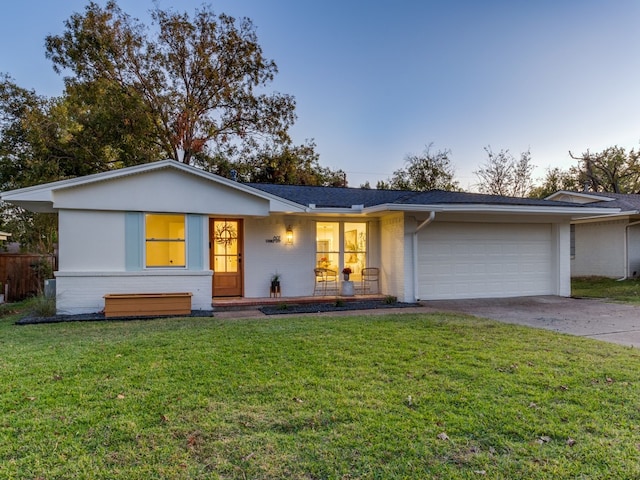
point(609, 218)
point(487, 208)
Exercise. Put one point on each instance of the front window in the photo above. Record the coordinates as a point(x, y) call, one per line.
point(165, 244)
point(355, 247)
point(328, 245)
point(572, 240)
point(341, 245)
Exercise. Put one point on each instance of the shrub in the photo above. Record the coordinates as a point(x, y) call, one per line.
point(42, 306)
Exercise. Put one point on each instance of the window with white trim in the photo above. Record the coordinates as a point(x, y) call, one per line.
point(340, 245)
point(165, 244)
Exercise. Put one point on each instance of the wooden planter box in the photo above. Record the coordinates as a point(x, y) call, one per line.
point(146, 304)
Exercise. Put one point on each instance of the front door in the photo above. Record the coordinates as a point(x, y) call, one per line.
point(225, 254)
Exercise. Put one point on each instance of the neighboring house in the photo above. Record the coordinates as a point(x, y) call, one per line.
point(169, 227)
point(605, 246)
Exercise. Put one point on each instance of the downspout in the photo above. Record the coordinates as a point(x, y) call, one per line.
point(626, 249)
point(432, 215)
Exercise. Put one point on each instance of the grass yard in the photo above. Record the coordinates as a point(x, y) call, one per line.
point(372, 397)
point(627, 291)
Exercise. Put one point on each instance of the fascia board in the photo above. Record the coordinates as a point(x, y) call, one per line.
point(485, 208)
point(335, 211)
point(608, 218)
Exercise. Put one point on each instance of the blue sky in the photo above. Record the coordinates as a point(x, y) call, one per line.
point(377, 80)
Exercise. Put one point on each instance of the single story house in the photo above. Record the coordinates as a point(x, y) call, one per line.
point(605, 246)
point(170, 227)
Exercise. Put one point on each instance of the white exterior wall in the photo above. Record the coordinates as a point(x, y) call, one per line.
point(92, 264)
point(164, 190)
point(599, 249)
point(83, 292)
point(561, 258)
point(393, 258)
point(91, 241)
point(633, 233)
point(294, 263)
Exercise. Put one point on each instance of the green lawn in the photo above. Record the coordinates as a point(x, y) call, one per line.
point(627, 291)
point(394, 396)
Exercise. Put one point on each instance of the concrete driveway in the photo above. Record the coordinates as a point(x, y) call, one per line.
point(598, 319)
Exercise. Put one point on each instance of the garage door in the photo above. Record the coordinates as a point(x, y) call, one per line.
point(463, 260)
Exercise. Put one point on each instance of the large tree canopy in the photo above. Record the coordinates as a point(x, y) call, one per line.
point(201, 81)
point(612, 170)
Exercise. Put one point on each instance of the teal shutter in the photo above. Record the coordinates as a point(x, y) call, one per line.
point(195, 247)
point(133, 240)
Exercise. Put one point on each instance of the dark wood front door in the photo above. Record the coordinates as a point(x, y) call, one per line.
point(225, 254)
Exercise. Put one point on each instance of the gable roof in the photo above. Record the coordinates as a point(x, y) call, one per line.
point(628, 203)
point(42, 198)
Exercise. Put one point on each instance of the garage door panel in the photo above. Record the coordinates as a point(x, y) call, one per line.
point(484, 260)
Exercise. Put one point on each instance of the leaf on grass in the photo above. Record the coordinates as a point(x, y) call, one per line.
point(563, 387)
point(609, 380)
point(543, 439)
point(298, 400)
point(120, 396)
point(480, 472)
point(192, 440)
point(247, 457)
point(533, 405)
point(164, 418)
point(571, 442)
point(443, 436)
point(31, 399)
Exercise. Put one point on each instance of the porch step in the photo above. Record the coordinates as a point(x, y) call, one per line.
point(238, 304)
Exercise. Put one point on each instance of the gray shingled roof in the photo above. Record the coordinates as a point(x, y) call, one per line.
point(342, 197)
point(624, 201)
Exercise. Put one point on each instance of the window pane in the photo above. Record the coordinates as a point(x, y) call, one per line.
point(327, 245)
point(355, 247)
point(165, 240)
point(165, 254)
point(165, 227)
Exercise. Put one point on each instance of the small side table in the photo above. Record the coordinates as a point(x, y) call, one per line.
point(348, 289)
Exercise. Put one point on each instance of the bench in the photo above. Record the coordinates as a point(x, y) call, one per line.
point(146, 304)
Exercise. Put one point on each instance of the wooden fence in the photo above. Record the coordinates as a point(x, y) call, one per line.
point(24, 274)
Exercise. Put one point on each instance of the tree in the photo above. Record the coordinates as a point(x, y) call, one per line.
point(502, 174)
point(428, 171)
point(25, 160)
point(282, 164)
point(555, 180)
point(197, 80)
point(612, 170)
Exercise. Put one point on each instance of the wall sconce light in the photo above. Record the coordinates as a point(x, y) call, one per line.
point(289, 235)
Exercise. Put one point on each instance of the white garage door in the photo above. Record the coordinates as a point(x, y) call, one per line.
point(457, 260)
